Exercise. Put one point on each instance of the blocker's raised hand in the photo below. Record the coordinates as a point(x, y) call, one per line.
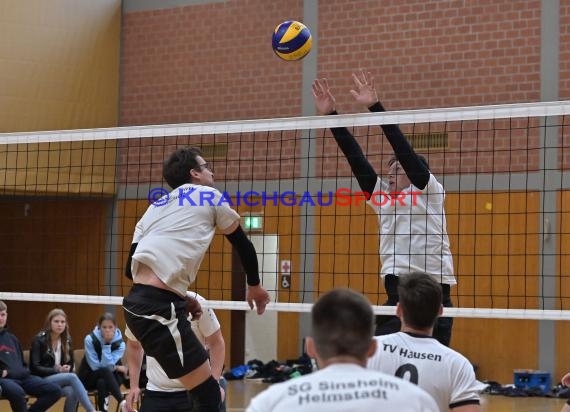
point(364, 91)
point(324, 100)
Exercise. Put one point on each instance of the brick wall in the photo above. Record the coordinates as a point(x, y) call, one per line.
point(207, 62)
point(436, 53)
point(213, 62)
point(564, 49)
point(261, 156)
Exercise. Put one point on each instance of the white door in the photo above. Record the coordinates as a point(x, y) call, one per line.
point(261, 331)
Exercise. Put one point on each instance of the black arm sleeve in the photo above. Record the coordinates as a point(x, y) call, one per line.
point(361, 168)
point(415, 169)
point(247, 254)
point(129, 261)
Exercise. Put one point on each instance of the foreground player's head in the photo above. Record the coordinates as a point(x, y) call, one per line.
point(186, 165)
point(342, 328)
point(420, 300)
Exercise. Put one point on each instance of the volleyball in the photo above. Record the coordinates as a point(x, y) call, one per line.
point(292, 40)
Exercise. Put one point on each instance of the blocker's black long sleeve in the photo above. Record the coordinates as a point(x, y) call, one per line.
point(415, 169)
point(361, 168)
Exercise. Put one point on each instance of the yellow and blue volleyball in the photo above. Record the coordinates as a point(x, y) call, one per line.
point(292, 40)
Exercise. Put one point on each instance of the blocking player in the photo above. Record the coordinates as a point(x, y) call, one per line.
point(413, 234)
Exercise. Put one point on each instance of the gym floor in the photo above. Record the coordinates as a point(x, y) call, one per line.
point(240, 392)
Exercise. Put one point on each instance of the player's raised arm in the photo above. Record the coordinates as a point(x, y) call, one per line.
point(363, 171)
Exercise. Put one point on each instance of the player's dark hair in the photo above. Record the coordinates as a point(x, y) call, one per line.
point(342, 324)
point(176, 169)
point(420, 299)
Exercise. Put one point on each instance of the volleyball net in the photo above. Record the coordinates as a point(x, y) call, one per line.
point(70, 200)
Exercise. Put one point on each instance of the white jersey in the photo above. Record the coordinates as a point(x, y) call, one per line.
point(206, 326)
point(343, 388)
point(175, 232)
point(413, 231)
point(442, 372)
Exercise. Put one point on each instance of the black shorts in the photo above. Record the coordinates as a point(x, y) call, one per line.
point(153, 401)
point(159, 320)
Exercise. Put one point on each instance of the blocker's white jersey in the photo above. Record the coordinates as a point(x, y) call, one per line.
point(206, 326)
point(343, 388)
point(413, 231)
point(442, 372)
point(175, 232)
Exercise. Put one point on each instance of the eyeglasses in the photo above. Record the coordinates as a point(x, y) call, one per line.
point(205, 166)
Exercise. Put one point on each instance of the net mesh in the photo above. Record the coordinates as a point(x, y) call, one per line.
point(70, 201)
